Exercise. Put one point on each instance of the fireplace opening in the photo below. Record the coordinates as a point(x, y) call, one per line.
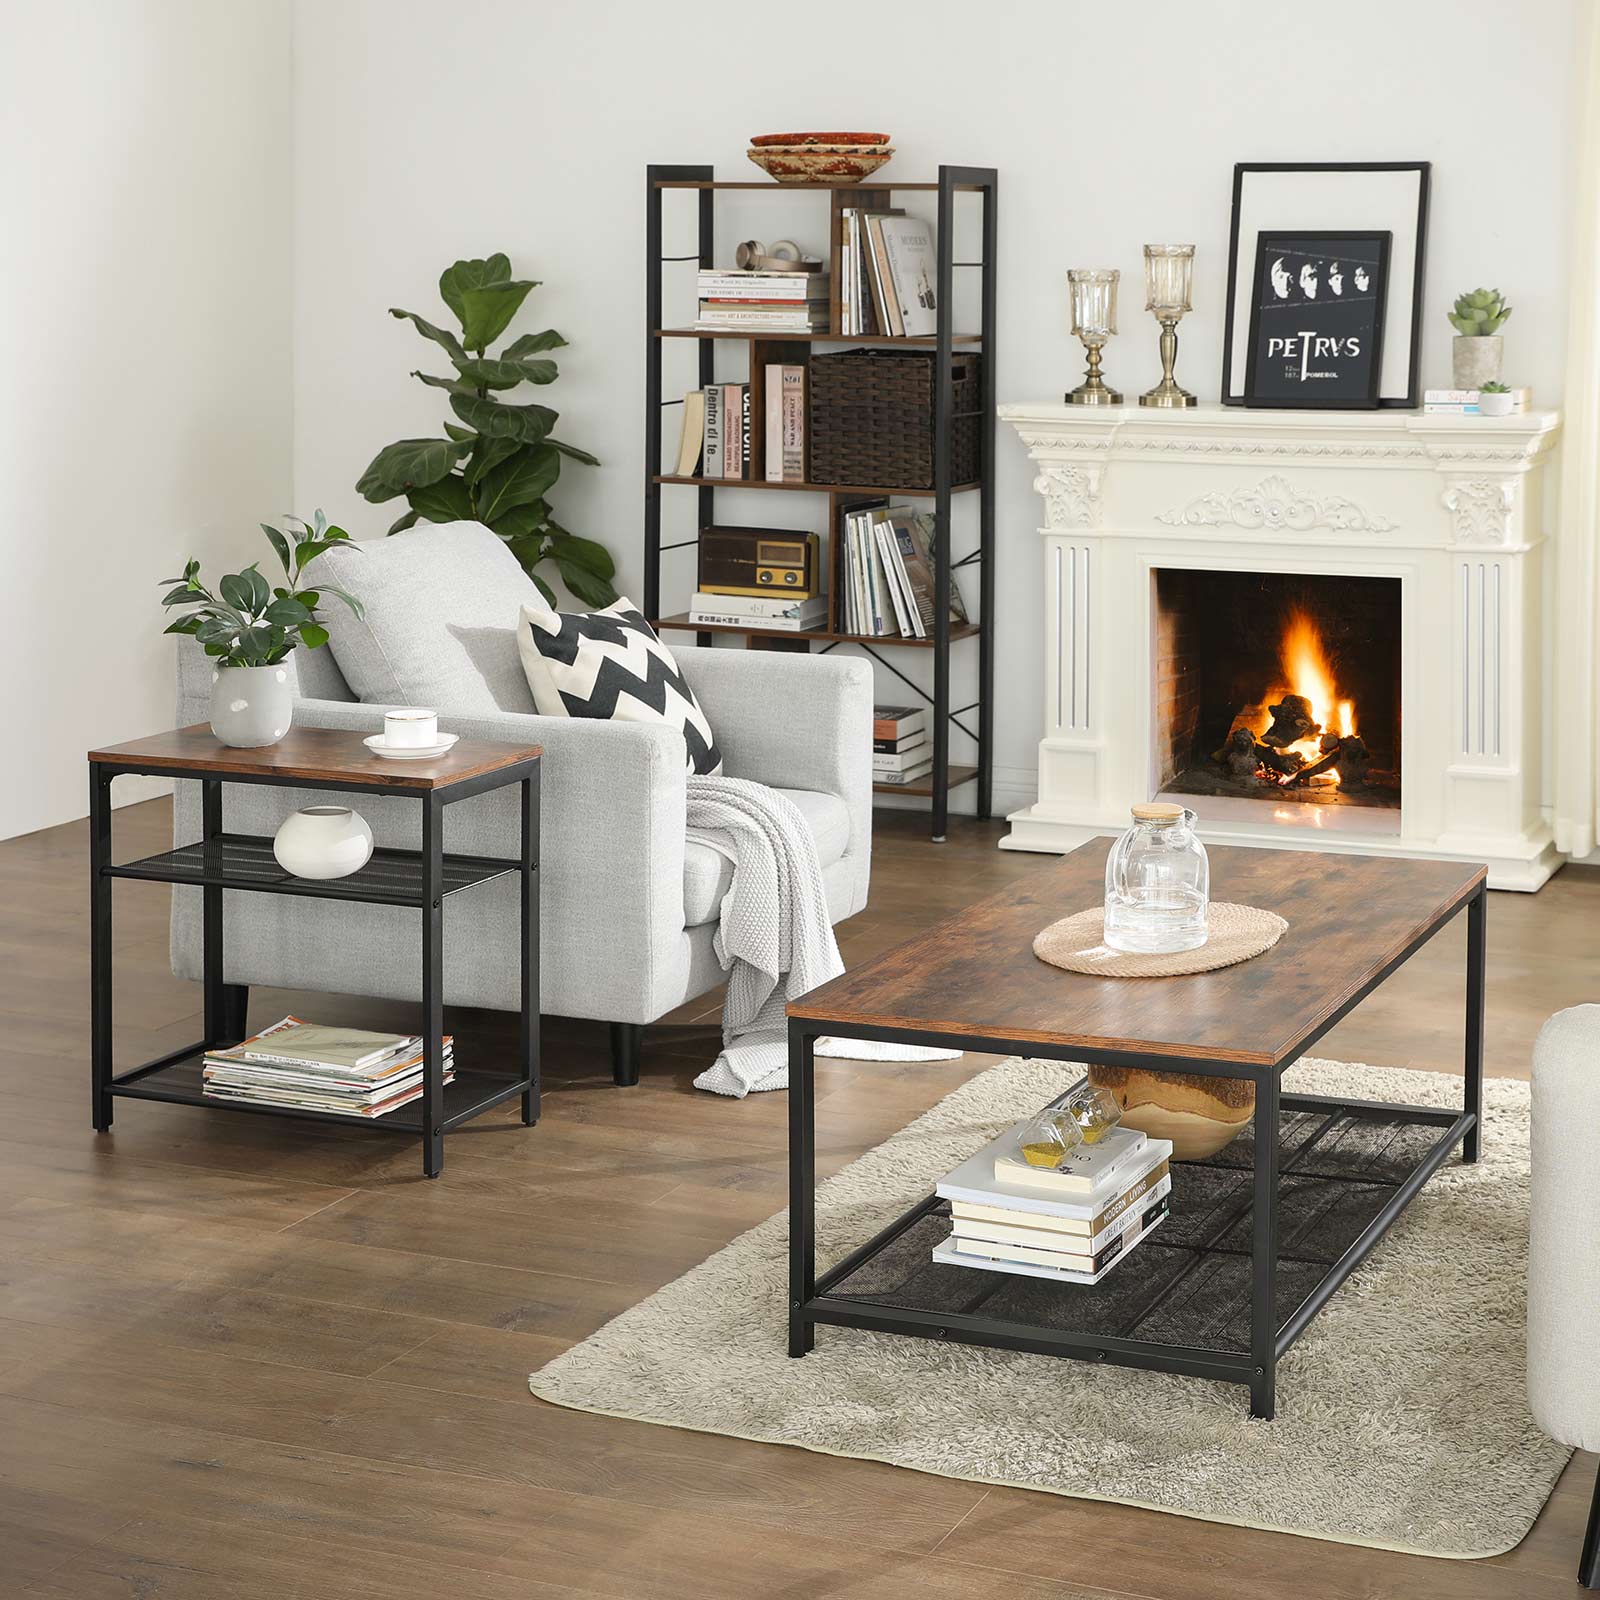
point(1283, 687)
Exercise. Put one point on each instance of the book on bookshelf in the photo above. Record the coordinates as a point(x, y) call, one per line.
point(888, 572)
point(806, 318)
point(693, 435)
point(794, 616)
point(919, 755)
point(900, 779)
point(735, 283)
point(910, 267)
point(898, 722)
point(893, 747)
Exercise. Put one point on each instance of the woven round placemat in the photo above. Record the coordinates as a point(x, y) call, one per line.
point(1235, 933)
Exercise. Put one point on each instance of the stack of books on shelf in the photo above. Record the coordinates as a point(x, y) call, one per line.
point(786, 423)
point(734, 301)
point(781, 613)
point(716, 431)
point(1073, 1223)
point(887, 572)
point(1464, 402)
point(304, 1066)
point(901, 750)
point(888, 268)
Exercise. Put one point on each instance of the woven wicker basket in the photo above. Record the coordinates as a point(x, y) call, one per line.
point(871, 418)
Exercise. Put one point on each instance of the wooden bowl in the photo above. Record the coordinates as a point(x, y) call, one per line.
point(1199, 1115)
point(792, 140)
point(819, 163)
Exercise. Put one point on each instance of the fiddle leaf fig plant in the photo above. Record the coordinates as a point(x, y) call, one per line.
point(249, 622)
point(498, 461)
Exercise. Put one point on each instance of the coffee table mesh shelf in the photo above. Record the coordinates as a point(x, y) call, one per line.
point(1189, 1283)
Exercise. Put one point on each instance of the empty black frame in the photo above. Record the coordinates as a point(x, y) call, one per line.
point(1403, 330)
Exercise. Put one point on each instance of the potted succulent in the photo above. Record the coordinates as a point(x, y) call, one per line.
point(1476, 349)
point(250, 626)
point(1495, 400)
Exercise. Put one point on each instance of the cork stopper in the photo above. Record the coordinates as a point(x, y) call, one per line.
point(1157, 811)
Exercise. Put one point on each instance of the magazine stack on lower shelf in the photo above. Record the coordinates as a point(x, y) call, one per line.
point(1073, 1222)
point(304, 1066)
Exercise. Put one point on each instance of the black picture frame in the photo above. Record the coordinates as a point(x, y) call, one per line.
point(1316, 319)
point(1335, 195)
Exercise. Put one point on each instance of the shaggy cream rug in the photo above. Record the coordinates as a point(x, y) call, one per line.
point(1401, 1415)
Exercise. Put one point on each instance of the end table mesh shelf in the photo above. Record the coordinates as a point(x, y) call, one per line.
point(314, 758)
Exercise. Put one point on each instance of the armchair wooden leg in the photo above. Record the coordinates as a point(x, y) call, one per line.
point(626, 1038)
point(1589, 1563)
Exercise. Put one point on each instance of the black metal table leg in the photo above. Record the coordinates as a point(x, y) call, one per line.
point(216, 1005)
point(100, 888)
point(432, 985)
point(1477, 963)
point(1264, 1253)
point(1589, 1561)
point(529, 930)
point(802, 1186)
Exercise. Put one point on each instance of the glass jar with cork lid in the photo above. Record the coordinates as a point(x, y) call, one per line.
point(1158, 883)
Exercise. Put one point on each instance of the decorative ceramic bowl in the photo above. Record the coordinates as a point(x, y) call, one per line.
point(790, 141)
point(819, 163)
point(323, 842)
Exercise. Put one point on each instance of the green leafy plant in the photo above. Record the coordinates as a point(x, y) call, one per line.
point(1495, 388)
point(249, 622)
point(1479, 313)
point(499, 461)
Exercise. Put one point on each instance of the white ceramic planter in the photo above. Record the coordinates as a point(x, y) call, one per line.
point(1495, 405)
point(1475, 359)
point(323, 842)
point(251, 706)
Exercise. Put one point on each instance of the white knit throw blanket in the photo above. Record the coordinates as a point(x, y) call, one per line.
point(774, 938)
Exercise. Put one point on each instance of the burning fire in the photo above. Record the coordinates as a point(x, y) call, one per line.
point(1308, 671)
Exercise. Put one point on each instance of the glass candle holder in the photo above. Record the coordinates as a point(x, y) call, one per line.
point(1096, 1112)
point(1094, 319)
point(1044, 1140)
point(1168, 280)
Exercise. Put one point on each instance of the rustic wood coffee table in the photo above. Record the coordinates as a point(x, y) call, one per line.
point(1261, 1234)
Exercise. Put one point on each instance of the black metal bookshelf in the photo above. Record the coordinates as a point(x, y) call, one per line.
point(980, 182)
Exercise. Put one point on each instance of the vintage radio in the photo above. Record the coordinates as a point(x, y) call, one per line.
point(759, 561)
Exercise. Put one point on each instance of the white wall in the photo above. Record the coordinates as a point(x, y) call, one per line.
point(527, 128)
point(144, 353)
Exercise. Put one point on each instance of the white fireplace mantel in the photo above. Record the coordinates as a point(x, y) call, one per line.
point(1451, 506)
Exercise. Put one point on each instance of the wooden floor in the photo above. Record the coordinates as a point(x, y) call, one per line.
point(244, 1358)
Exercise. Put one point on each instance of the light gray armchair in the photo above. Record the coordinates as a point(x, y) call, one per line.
point(628, 908)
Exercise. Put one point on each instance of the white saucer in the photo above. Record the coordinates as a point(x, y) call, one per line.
point(389, 752)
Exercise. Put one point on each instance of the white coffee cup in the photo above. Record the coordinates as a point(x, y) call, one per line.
point(411, 728)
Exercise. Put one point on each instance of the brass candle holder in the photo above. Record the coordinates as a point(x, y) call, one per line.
point(1094, 320)
point(1168, 275)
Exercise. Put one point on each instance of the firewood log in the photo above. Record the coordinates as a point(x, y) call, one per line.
point(1291, 721)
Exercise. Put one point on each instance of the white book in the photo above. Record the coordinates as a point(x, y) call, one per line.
point(811, 615)
point(910, 775)
point(1074, 1256)
point(863, 603)
point(975, 1182)
point(778, 604)
point(1013, 1233)
point(1083, 1171)
point(886, 559)
point(949, 1255)
point(774, 428)
point(1003, 1214)
point(912, 265)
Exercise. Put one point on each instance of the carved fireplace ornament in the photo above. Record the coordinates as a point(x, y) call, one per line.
point(1275, 503)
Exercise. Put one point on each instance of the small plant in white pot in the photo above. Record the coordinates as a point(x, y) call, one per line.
point(1495, 400)
point(249, 627)
point(1476, 350)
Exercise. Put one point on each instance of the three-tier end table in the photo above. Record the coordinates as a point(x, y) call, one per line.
point(319, 758)
point(1260, 1235)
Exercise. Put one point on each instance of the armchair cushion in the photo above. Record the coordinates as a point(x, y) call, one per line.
point(440, 620)
point(610, 664)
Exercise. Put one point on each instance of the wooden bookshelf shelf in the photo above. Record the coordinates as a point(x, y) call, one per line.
point(968, 375)
point(771, 336)
point(861, 492)
point(773, 187)
point(958, 630)
point(956, 777)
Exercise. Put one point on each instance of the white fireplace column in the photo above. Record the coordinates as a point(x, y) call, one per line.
point(1449, 506)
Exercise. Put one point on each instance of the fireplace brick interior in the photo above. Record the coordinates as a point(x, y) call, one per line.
point(1220, 650)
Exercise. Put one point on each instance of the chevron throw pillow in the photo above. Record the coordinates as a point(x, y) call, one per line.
point(611, 664)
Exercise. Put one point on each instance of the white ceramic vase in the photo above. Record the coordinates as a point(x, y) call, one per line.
point(1495, 405)
point(251, 706)
point(323, 842)
point(1475, 359)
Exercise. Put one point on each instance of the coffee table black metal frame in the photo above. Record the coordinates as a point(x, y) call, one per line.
point(810, 1300)
point(420, 879)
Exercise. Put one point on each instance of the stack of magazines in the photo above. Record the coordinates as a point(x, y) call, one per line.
point(307, 1067)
